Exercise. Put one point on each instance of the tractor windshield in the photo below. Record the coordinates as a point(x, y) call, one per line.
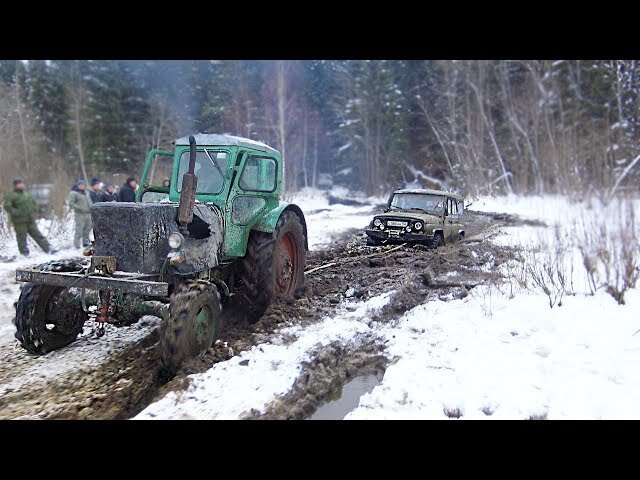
point(417, 201)
point(211, 166)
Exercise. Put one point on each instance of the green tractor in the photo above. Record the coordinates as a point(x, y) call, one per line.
point(208, 230)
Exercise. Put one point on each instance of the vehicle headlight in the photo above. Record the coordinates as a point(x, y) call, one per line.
point(381, 226)
point(175, 240)
point(377, 222)
point(408, 228)
point(418, 225)
point(92, 237)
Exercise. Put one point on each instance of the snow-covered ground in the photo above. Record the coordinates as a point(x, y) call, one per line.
point(500, 353)
point(500, 358)
point(505, 353)
point(254, 377)
point(325, 220)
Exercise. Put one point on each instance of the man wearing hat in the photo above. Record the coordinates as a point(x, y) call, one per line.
point(80, 202)
point(22, 209)
point(128, 191)
point(94, 190)
point(109, 194)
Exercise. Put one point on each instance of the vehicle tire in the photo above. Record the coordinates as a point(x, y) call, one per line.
point(373, 242)
point(191, 326)
point(48, 317)
point(438, 240)
point(273, 265)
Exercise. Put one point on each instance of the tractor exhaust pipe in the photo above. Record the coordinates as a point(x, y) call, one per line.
point(189, 188)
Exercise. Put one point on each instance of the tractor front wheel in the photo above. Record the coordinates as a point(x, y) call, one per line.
point(192, 324)
point(49, 317)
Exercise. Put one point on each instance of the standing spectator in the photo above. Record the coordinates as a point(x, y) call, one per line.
point(22, 210)
point(128, 191)
point(80, 203)
point(109, 194)
point(94, 191)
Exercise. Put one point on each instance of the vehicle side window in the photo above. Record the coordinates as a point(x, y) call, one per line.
point(258, 175)
point(454, 207)
point(460, 207)
point(450, 210)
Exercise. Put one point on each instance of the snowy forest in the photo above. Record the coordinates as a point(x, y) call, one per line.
point(474, 126)
point(513, 295)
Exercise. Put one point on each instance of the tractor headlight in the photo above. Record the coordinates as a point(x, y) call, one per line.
point(92, 237)
point(377, 222)
point(175, 240)
point(417, 225)
point(381, 226)
point(408, 228)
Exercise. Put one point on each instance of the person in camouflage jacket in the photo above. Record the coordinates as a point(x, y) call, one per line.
point(22, 210)
point(80, 203)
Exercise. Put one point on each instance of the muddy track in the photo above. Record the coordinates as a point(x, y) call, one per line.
point(124, 379)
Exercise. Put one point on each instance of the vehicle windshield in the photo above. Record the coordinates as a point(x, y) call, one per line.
point(211, 166)
point(417, 201)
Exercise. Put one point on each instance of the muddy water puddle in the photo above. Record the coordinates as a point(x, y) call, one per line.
point(346, 398)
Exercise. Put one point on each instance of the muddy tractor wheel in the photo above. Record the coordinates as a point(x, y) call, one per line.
point(48, 317)
point(273, 265)
point(191, 326)
point(438, 240)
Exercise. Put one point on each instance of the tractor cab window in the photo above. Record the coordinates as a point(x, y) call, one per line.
point(211, 168)
point(259, 175)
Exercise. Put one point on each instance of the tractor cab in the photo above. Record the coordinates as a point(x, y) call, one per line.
point(239, 177)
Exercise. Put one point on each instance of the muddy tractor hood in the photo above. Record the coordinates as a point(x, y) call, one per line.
point(136, 234)
point(424, 217)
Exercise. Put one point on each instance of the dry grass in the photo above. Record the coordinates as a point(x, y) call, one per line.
point(611, 252)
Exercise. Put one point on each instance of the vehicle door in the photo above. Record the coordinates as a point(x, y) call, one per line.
point(460, 222)
point(453, 218)
point(254, 192)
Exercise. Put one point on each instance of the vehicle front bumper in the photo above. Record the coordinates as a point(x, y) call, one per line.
point(403, 236)
point(120, 281)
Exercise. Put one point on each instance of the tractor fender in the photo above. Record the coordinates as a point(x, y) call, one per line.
point(270, 219)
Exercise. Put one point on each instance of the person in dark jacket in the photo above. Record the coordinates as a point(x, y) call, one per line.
point(109, 194)
point(128, 191)
point(94, 190)
point(22, 209)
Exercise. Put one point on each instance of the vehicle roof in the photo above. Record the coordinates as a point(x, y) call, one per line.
point(425, 191)
point(218, 139)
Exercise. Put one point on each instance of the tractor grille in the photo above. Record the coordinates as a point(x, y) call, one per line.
point(134, 233)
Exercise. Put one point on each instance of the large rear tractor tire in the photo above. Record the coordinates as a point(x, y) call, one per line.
point(49, 317)
point(191, 326)
point(273, 265)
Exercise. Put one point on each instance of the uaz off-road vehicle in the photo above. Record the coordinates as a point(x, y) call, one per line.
point(218, 234)
point(428, 217)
